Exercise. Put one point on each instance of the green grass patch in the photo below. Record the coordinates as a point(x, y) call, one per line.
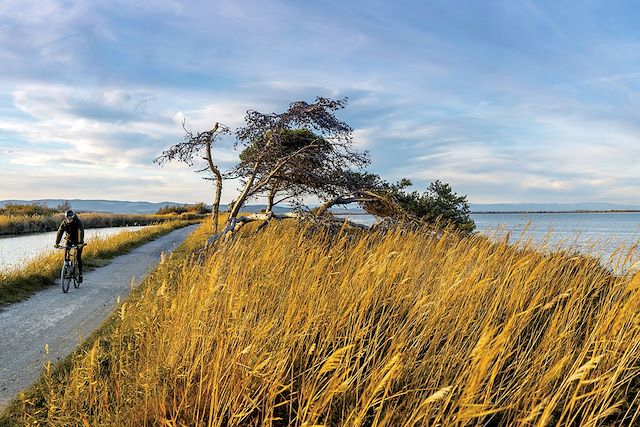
point(19, 283)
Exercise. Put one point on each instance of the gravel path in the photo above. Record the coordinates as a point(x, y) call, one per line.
point(63, 320)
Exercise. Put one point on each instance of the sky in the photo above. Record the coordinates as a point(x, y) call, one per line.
point(508, 101)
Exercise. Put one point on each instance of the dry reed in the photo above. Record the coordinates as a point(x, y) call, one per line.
point(294, 327)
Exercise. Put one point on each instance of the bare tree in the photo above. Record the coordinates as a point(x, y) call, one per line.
point(64, 206)
point(200, 145)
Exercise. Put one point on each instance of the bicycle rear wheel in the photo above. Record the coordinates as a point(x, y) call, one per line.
point(65, 277)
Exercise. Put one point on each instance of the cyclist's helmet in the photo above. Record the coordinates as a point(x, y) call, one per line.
point(69, 214)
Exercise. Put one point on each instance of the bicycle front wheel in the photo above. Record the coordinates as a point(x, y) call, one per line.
point(65, 277)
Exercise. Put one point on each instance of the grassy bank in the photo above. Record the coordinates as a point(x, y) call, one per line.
point(298, 328)
point(22, 224)
point(17, 284)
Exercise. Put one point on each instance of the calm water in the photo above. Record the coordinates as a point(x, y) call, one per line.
point(582, 227)
point(16, 250)
point(596, 233)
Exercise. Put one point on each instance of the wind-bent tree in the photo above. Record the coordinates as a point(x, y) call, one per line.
point(305, 151)
point(371, 193)
point(293, 153)
point(363, 188)
point(200, 145)
point(438, 205)
point(317, 167)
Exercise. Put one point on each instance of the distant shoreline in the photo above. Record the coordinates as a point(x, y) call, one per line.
point(557, 212)
point(518, 212)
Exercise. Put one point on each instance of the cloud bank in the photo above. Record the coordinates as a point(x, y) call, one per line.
point(509, 101)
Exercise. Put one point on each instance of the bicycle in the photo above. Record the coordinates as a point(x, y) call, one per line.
point(69, 270)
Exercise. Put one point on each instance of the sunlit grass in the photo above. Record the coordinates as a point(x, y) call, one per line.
point(19, 282)
point(293, 327)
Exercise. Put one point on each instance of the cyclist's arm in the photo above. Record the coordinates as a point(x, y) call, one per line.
point(60, 232)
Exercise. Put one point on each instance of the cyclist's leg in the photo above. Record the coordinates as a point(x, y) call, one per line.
point(79, 259)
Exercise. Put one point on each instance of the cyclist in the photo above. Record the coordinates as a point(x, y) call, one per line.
point(75, 236)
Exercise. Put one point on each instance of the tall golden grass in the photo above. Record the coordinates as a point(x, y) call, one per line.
point(20, 282)
point(295, 327)
point(22, 224)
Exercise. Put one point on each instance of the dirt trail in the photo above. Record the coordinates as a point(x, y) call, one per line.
point(62, 321)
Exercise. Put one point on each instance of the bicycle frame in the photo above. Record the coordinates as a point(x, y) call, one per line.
point(69, 270)
point(70, 254)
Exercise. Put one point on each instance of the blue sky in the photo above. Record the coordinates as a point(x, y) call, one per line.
point(509, 101)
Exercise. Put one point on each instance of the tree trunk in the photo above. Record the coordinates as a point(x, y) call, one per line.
point(215, 211)
point(218, 182)
point(357, 197)
point(270, 197)
point(235, 210)
point(322, 209)
point(248, 188)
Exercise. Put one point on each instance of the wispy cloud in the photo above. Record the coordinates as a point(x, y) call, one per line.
point(508, 101)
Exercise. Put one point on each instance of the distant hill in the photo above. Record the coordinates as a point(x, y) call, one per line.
point(112, 206)
point(550, 207)
point(120, 206)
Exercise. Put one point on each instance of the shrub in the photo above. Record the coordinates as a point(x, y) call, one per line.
point(16, 209)
point(197, 208)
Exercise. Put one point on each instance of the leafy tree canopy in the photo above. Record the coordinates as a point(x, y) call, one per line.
point(439, 204)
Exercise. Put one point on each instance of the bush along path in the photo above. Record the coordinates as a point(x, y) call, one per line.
point(41, 272)
point(48, 326)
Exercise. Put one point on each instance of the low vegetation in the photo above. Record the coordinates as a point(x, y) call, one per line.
point(18, 283)
point(17, 209)
point(297, 326)
point(197, 208)
point(17, 223)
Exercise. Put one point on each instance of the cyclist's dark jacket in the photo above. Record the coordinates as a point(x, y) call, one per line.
point(74, 230)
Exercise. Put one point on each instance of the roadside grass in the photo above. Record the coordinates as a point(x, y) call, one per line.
point(19, 283)
point(23, 224)
point(294, 326)
point(14, 414)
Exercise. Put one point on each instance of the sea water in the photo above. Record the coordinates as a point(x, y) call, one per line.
point(600, 234)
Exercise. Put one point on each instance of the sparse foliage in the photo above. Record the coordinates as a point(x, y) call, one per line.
point(64, 206)
point(317, 167)
point(367, 190)
point(200, 145)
